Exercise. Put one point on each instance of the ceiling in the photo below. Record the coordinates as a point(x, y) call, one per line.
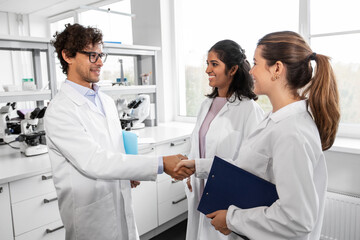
point(48, 8)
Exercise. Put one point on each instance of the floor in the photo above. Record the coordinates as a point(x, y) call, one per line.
point(177, 232)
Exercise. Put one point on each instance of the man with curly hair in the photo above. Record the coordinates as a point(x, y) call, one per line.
point(91, 171)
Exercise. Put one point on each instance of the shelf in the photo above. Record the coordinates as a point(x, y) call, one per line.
point(22, 96)
point(128, 90)
point(129, 50)
point(23, 43)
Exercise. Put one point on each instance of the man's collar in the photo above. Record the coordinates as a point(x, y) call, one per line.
point(84, 90)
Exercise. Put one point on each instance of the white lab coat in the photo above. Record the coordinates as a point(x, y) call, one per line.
point(90, 170)
point(286, 150)
point(225, 134)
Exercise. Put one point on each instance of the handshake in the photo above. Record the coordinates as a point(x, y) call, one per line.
point(178, 166)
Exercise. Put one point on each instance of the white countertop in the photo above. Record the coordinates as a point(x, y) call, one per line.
point(14, 165)
point(166, 131)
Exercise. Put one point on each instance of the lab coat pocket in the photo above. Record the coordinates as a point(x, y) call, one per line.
point(255, 162)
point(97, 220)
point(229, 145)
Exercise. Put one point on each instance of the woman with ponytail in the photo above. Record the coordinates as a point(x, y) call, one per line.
point(226, 117)
point(287, 146)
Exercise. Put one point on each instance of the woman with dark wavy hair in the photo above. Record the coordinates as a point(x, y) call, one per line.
point(226, 117)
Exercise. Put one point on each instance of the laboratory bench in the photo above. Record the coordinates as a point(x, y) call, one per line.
point(28, 201)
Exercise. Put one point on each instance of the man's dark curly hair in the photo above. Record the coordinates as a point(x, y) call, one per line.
point(74, 38)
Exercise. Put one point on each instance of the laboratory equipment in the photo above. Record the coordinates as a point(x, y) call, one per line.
point(32, 137)
point(145, 78)
point(133, 114)
point(5, 113)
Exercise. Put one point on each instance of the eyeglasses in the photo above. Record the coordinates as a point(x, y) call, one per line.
point(94, 56)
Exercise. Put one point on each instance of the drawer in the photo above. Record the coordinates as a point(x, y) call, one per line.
point(35, 212)
point(172, 208)
point(52, 231)
point(147, 150)
point(169, 189)
point(31, 187)
point(6, 230)
point(181, 146)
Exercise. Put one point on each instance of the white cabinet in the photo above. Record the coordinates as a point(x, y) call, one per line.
point(52, 231)
point(145, 201)
point(172, 200)
point(6, 230)
point(156, 203)
point(35, 209)
point(171, 194)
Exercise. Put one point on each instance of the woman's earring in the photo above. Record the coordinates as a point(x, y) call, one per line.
point(275, 77)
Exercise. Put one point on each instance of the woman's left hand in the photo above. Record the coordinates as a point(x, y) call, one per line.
point(219, 221)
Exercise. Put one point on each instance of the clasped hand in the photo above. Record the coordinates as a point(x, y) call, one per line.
point(174, 166)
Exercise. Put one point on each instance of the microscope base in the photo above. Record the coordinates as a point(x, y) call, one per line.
point(35, 150)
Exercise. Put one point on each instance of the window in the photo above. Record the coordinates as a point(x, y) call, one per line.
point(200, 24)
point(115, 28)
point(339, 38)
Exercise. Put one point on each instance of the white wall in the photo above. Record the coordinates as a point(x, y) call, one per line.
point(152, 26)
point(343, 169)
point(23, 25)
point(38, 27)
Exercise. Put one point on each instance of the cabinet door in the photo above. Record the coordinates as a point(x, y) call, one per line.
point(144, 199)
point(53, 231)
point(28, 188)
point(6, 231)
point(35, 212)
point(172, 200)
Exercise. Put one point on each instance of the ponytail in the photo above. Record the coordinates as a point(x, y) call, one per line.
point(323, 99)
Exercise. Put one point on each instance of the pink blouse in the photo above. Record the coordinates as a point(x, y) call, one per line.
point(216, 106)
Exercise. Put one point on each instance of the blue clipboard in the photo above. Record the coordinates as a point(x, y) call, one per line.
point(130, 140)
point(228, 185)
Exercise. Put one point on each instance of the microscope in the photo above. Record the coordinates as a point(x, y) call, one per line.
point(133, 114)
point(4, 133)
point(5, 129)
point(32, 138)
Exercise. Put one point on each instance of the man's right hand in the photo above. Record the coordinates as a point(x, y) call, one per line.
point(169, 164)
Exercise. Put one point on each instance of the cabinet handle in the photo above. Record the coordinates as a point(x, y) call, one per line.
point(177, 143)
point(177, 201)
point(50, 200)
point(150, 150)
point(175, 181)
point(1, 189)
point(48, 230)
point(43, 177)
